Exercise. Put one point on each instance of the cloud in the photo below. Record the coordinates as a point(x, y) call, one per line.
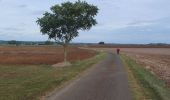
point(37, 12)
point(22, 36)
point(22, 6)
point(11, 29)
point(119, 21)
point(160, 26)
point(140, 23)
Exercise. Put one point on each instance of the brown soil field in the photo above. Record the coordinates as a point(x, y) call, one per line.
point(127, 46)
point(153, 51)
point(157, 60)
point(40, 54)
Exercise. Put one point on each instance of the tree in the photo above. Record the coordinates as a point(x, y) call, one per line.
point(102, 43)
point(14, 42)
point(64, 21)
point(49, 43)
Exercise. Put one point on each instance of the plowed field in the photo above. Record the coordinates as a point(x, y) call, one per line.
point(40, 54)
point(157, 60)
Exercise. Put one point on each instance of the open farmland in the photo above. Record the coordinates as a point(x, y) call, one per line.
point(157, 60)
point(26, 72)
point(40, 54)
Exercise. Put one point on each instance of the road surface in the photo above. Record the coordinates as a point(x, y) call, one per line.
point(107, 80)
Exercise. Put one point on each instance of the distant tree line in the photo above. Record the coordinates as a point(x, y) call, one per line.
point(17, 43)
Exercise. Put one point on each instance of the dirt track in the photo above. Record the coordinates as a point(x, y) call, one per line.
point(107, 80)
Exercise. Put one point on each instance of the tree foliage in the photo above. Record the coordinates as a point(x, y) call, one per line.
point(102, 43)
point(65, 20)
point(49, 43)
point(14, 42)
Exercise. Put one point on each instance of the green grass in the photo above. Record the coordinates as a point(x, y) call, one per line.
point(144, 84)
point(29, 82)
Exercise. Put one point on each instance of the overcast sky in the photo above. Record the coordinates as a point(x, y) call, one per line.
point(119, 21)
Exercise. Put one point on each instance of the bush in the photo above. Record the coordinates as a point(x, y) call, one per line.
point(101, 43)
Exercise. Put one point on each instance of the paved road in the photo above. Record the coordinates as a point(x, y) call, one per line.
point(107, 80)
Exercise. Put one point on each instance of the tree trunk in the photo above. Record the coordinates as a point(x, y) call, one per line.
point(65, 53)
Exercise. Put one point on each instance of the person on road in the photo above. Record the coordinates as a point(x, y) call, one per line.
point(118, 50)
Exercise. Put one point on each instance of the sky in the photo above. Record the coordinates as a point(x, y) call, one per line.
point(119, 21)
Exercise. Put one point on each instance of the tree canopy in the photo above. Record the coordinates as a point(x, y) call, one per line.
point(65, 20)
point(101, 42)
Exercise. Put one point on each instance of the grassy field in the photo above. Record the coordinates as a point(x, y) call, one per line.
point(145, 86)
point(29, 82)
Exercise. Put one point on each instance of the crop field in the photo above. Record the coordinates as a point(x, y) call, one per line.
point(157, 60)
point(40, 54)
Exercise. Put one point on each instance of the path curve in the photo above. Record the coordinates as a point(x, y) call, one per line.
point(107, 80)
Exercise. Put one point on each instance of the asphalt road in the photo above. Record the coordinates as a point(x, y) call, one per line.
point(107, 80)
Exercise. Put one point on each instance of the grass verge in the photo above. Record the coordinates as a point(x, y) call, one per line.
point(29, 82)
point(145, 86)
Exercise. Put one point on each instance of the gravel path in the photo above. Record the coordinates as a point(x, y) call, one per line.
point(107, 80)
